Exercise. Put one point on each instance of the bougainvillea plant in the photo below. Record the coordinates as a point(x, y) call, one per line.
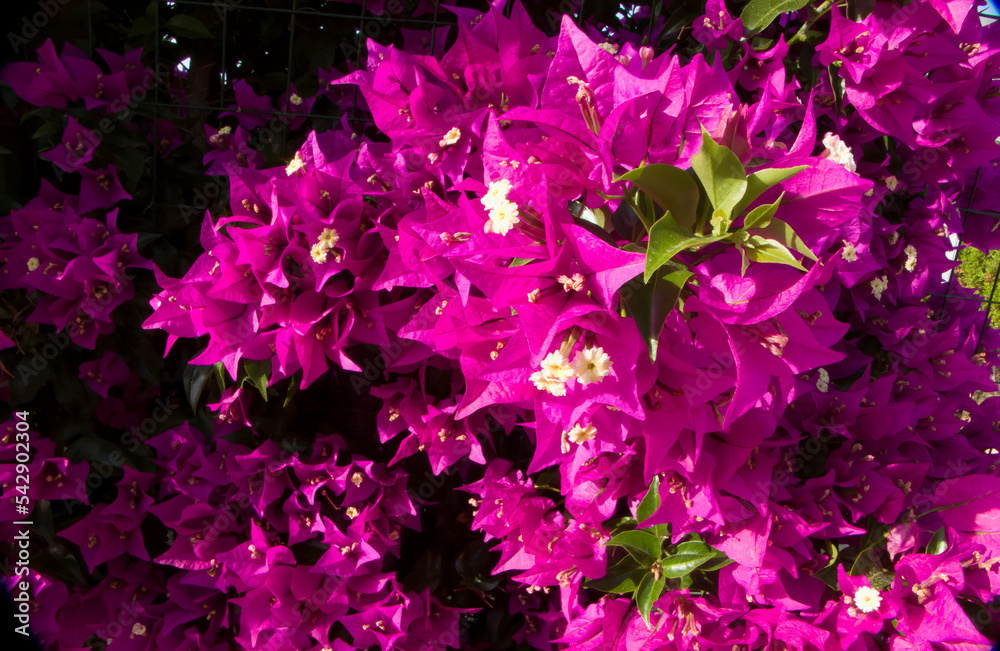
point(579, 343)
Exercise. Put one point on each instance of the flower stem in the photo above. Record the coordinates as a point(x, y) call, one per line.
point(819, 13)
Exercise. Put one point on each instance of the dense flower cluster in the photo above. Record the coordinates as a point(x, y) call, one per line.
point(798, 423)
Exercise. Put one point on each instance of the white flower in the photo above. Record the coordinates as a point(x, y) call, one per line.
point(575, 282)
point(867, 599)
point(555, 366)
point(295, 164)
point(891, 182)
point(591, 365)
point(497, 193)
point(295, 99)
point(849, 253)
point(580, 435)
point(911, 257)
point(879, 285)
point(217, 137)
point(33, 264)
point(545, 383)
point(823, 383)
point(503, 217)
point(839, 152)
point(326, 241)
point(329, 236)
point(451, 137)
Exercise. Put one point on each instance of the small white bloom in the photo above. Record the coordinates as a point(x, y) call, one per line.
point(451, 137)
point(849, 253)
point(295, 99)
point(823, 383)
point(217, 137)
point(867, 599)
point(545, 383)
point(879, 285)
point(591, 365)
point(575, 283)
point(891, 182)
point(318, 253)
point(497, 193)
point(503, 217)
point(329, 237)
point(138, 629)
point(327, 240)
point(893, 237)
point(295, 164)
point(839, 152)
point(911, 257)
point(33, 264)
point(580, 435)
point(556, 366)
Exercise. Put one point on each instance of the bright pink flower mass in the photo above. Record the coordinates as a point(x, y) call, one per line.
point(705, 295)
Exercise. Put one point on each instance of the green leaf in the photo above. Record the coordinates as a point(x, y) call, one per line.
point(188, 27)
point(195, 378)
point(758, 14)
point(720, 172)
point(650, 303)
point(623, 577)
point(694, 547)
point(761, 216)
point(650, 504)
point(649, 590)
point(670, 187)
point(759, 249)
point(762, 180)
point(837, 83)
point(720, 222)
point(666, 239)
point(659, 530)
point(258, 374)
point(938, 544)
point(641, 545)
point(595, 216)
point(778, 230)
point(720, 561)
point(141, 26)
point(680, 565)
point(220, 376)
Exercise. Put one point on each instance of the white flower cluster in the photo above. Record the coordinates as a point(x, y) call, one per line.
point(879, 285)
point(327, 240)
point(838, 152)
point(589, 365)
point(451, 137)
point(911, 257)
point(823, 382)
point(503, 213)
